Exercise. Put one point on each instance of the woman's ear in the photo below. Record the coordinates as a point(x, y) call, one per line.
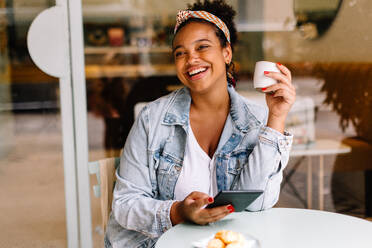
point(227, 53)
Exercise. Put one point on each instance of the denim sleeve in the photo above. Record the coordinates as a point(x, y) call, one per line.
point(264, 170)
point(134, 205)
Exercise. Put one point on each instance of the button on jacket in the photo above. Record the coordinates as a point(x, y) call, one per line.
point(250, 155)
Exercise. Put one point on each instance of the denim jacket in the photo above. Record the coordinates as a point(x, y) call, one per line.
point(250, 155)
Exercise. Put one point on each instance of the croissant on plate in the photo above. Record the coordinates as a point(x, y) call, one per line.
point(227, 239)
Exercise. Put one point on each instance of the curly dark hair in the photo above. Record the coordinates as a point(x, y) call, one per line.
point(223, 11)
point(226, 13)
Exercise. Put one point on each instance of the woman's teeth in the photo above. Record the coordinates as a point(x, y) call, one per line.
point(193, 72)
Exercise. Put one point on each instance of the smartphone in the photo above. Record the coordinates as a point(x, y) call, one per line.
point(240, 199)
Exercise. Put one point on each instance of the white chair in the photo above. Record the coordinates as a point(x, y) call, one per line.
point(105, 173)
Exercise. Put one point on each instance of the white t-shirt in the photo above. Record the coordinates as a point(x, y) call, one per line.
point(198, 171)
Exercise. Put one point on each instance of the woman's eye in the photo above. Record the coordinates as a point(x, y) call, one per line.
point(201, 47)
point(178, 54)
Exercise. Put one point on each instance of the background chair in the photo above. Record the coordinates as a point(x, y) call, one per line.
point(105, 173)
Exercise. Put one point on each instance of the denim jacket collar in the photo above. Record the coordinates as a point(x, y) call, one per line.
point(240, 113)
point(179, 109)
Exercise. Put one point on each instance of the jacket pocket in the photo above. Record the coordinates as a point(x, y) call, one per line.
point(167, 172)
point(237, 162)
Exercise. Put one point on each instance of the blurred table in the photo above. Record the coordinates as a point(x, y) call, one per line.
point(320, 148)
point(280, 228)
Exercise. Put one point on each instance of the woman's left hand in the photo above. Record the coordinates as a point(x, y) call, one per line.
point(279, 97)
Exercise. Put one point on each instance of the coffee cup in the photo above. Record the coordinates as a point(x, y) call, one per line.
point(260, 80)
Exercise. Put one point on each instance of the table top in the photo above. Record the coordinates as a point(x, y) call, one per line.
point(279, 228)
point(321, 147)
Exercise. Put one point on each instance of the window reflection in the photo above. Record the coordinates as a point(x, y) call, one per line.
point(331, 72)
point(128, 61)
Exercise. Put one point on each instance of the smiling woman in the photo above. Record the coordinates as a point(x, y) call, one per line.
point(187, 146)
point(199, 56)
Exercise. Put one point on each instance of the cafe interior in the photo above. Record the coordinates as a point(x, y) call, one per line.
point(127, 62)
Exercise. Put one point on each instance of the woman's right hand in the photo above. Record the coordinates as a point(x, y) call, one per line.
point(192, 209)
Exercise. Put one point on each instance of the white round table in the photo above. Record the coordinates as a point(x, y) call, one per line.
point(281, 228)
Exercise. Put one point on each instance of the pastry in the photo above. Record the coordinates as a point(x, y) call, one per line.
point(215, 243)
point(227, 239)
point(227, 236)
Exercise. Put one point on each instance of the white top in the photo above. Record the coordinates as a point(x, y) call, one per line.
point(198, 171)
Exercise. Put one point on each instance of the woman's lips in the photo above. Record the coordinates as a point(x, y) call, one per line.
point(197, 76)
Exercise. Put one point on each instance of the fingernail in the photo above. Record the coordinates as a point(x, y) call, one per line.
point(263, 89)
point(231, 208)
point(266, 72)
point(210, 199)
point(278, 64)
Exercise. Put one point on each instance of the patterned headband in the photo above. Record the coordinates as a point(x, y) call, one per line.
point(183, 15)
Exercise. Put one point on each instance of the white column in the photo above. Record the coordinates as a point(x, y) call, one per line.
point(75, 19)
point(55, 43)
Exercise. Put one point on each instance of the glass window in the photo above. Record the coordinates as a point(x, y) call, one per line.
point(324, 43)
point(31, 167)
point(128, 62)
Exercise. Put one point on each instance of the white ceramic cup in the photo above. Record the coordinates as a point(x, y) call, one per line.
point(260, 80)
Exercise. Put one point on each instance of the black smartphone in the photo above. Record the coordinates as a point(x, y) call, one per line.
point(240, 199)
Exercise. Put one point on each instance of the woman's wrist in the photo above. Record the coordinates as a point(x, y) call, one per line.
point(175, 213)
point(276, 122)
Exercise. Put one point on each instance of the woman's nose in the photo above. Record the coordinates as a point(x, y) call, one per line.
point(192, 57)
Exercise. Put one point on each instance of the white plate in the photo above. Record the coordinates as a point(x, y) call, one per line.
point(250, 242)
